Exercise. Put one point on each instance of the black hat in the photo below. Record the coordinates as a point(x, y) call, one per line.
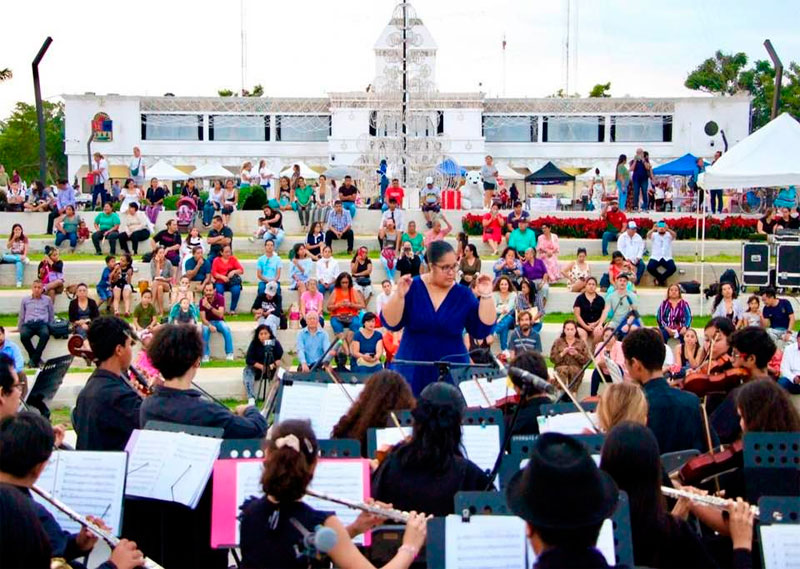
point(561, 486)
point(443, 394)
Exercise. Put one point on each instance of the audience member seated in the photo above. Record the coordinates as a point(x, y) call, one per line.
point(145, 316)
point(82, 310)
point(768, 223)
point(505, 300)
point(170, 240)
point(393, 214)
point(347, 195)
point(311, 343)
point(366, 349)
point(184, 312)
point(161, 279)
point(725, 304)
point(129, 194)
point(416, 239)
point(106, 228)
point(394, 192)
point(35, 316)
point(508, 266)
point(271, 226)
point(227, 272)
point(154, 196)
point(631, 245)
point(65, 197)
point(588, 310)
point(621, 308)
point(51, 272)
point(524, 337)
point(17, 253)
point(219, 236)
point(569, 354)
point(616, 221)
point(303, 197)
point(674, 315)
point(515, 217)
point(230, 199)
point(522, 238)
point(361, 271)
point(267, 307)
point(548, 249)
point(493, 223)
point(778, 312)
point(311, 301)
point(134, 227)
point(340, 224)
point(409, 263)
point(576, 272)
point(122, 285)
point(15, 200)
point(67, 228)
point(315, 241)
point(661, 253)
point(212, 314)
point(198, 269)
point(790, 368)
point(612, 351)
point(436, 233)
point(431, 201)
point(344, 305)
point(327, 270)
point(263, 356)
point(300, 268)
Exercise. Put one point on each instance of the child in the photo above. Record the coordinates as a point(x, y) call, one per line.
point(184, 312)
point(144, 316)
point(258, 235)
point(104, 284)
point(753, 315)
point(183, 290)
point(83, 232)
point(145, 366)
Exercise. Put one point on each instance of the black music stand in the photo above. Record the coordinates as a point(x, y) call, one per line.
point(196, 430)
point(46, 384)
point(446, 368)
point(771, 465)
point(522, 445)
point(339, 448)
point(552, 409)
point(241, 448)
point(319, 375)
point(777, 510)
point(467, 373)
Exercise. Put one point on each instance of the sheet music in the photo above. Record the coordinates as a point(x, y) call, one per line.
point(605, 544)
point(567, 423)
point(248, 483)
point(90, 482)
point(321, 403)
point(494, 389)
point(780, 545)
point(335, 406)
point(170, 466)
point(485, 542)
point(343, 479)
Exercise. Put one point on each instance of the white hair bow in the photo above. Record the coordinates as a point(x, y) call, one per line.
point(290, 441)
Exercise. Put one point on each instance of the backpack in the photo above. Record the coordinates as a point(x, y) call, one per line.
point(729, 276)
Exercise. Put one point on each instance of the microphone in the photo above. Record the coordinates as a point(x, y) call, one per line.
point(320, 541)
point(531, 379)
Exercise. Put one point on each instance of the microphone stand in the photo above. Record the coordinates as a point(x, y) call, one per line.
point(507, 438)
point(322, 359)
point(443, 366)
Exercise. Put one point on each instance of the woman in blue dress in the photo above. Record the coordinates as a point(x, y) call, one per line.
point(433, 312)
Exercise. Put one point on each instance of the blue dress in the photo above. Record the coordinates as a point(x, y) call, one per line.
point(431, 336)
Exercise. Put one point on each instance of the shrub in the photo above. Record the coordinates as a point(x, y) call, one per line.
point(254, 199)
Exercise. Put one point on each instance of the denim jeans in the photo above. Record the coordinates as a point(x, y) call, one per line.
point(303, 212)
point(501, 329)
point(640, 267)
point(209, 211)
point(72, 236)
point(323, 288)
point(17, 260)
point(99, 190)
point(716, 201)
point(789, 385)
point(351, 207)
point(223, 329)
point(249, 375)
point(277, 238)
point(27, 331)
point(389, 272)
point(235, 291)
point(640, 186)
point(623, 195)
point(607, 237)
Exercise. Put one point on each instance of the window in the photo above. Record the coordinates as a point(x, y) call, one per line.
point(641, 128)
point(510, 128)
point(303, 128)
point(238, 127)
point(172, 127)
point(420, 125)
point(573, 129)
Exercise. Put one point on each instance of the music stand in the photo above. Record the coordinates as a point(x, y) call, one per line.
point(46, 384)
point(552, 409)
point(339, 448)
point(196, 430)
point(776, 511)
point(241, 448)
point(770, 464)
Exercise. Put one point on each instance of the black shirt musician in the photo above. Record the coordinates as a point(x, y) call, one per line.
point(107, 409)
point(531, 397)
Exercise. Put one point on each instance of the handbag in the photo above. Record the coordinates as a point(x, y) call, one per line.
point(59, 328)
point(235, 280)
point(363, 281)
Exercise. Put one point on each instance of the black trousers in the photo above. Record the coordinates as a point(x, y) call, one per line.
point(97, 239)
point(668, 266)
point(35, 328)
point(51, 218)
point(135, 238)
point(330, 237)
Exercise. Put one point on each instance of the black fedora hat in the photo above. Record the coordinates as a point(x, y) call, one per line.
point(561, 486)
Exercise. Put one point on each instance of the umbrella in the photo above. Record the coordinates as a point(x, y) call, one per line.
point(339, 172)
point(305, 171)
point(448, 167)
point(165, 171)
point(213, 170)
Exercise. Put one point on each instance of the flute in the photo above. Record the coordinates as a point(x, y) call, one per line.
point(106, 536)
point(712, 501)
point(388, 513)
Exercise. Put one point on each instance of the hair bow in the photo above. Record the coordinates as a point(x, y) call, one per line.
point(290, 441)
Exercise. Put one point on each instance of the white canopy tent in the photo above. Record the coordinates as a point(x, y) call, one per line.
point(589, 175)
point(213, 170)
point(305, 171)
point(507, 172)
point(766, 158)
point(165, 171)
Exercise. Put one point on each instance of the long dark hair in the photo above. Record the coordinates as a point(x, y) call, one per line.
point(622, 159)
point(257, 331)
point(21, 233)
point(766, 408)
point(436, 437)
point(531, 296)
point(718, 298)
point(288, 472)
point(384, 391)
point(311, 229)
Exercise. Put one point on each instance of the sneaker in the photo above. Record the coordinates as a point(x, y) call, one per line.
point(251, 401)
point(206, 359)
point(229, 357)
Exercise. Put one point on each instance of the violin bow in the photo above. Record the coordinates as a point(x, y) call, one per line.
point(711, 351)
point(397, 424)
point(338, 382)
point(707, 426)
point(575, 401)
point(596, 365)
point(480, 388)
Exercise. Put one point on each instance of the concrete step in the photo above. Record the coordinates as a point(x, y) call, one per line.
point(365, 221)
point(560, 299)
point(89, 271)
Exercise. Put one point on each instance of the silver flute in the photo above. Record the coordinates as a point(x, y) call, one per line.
point(712, 501)
point(388, 513)
point(105, 535)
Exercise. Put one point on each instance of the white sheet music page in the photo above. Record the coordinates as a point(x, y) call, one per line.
point(343, 479)
point(780, 544)
point(248, 484)
point(495, 390)
point(482, 444)
point(605, 544)
point(89, 482)
point(335, 405)
point(485, 542)
point(304, 400)
point(567, 423)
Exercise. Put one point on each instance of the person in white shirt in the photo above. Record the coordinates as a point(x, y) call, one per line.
point(631, 245)
point(661, 253)
point(100, 173)
point(383, 298)
point(137, 168)
point(394, 213)
point(327, 270)
point(790, 368)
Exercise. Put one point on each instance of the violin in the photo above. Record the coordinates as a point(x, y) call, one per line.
point(710, 464)
point(716, 379)
point(135, 378)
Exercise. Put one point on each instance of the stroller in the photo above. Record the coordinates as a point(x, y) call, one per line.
point(187, 213)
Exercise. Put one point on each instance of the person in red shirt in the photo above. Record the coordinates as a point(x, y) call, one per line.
point(227, 273)
point(396, 192)
point(616, 221)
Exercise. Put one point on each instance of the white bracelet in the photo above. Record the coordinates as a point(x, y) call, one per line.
point(485, 296)
point(413, 551)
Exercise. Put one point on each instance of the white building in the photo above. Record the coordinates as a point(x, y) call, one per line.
point(336, 130)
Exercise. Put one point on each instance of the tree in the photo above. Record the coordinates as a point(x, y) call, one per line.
point(720, 74)
point(258, 91)
point(600, 90)
point(6, 74)
point(225, 93)
point(19, 141)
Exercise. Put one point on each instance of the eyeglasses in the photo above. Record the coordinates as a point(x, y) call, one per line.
point(18, 385)
point(447, 268)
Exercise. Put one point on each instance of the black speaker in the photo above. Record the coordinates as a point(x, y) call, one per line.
point(788, 268)
point(755, 264)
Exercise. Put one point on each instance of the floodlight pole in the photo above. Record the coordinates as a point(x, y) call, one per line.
point(40, 110)
point(776, 61)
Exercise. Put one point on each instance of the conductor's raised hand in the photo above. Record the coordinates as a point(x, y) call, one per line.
point(484, 285)
point(403, 285)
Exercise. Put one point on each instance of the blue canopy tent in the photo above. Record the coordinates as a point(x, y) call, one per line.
point(683, 166)
point(448, 167)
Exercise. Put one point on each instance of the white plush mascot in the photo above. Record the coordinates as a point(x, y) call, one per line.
point(472, 191)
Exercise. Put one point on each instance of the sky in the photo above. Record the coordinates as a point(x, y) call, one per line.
point(311, 47)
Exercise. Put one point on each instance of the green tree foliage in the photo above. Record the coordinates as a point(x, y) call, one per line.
point(258, 91)
point(600, 90)
point(225, 93)
point(728, 74)
point(19, 141)
point(5, 74)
